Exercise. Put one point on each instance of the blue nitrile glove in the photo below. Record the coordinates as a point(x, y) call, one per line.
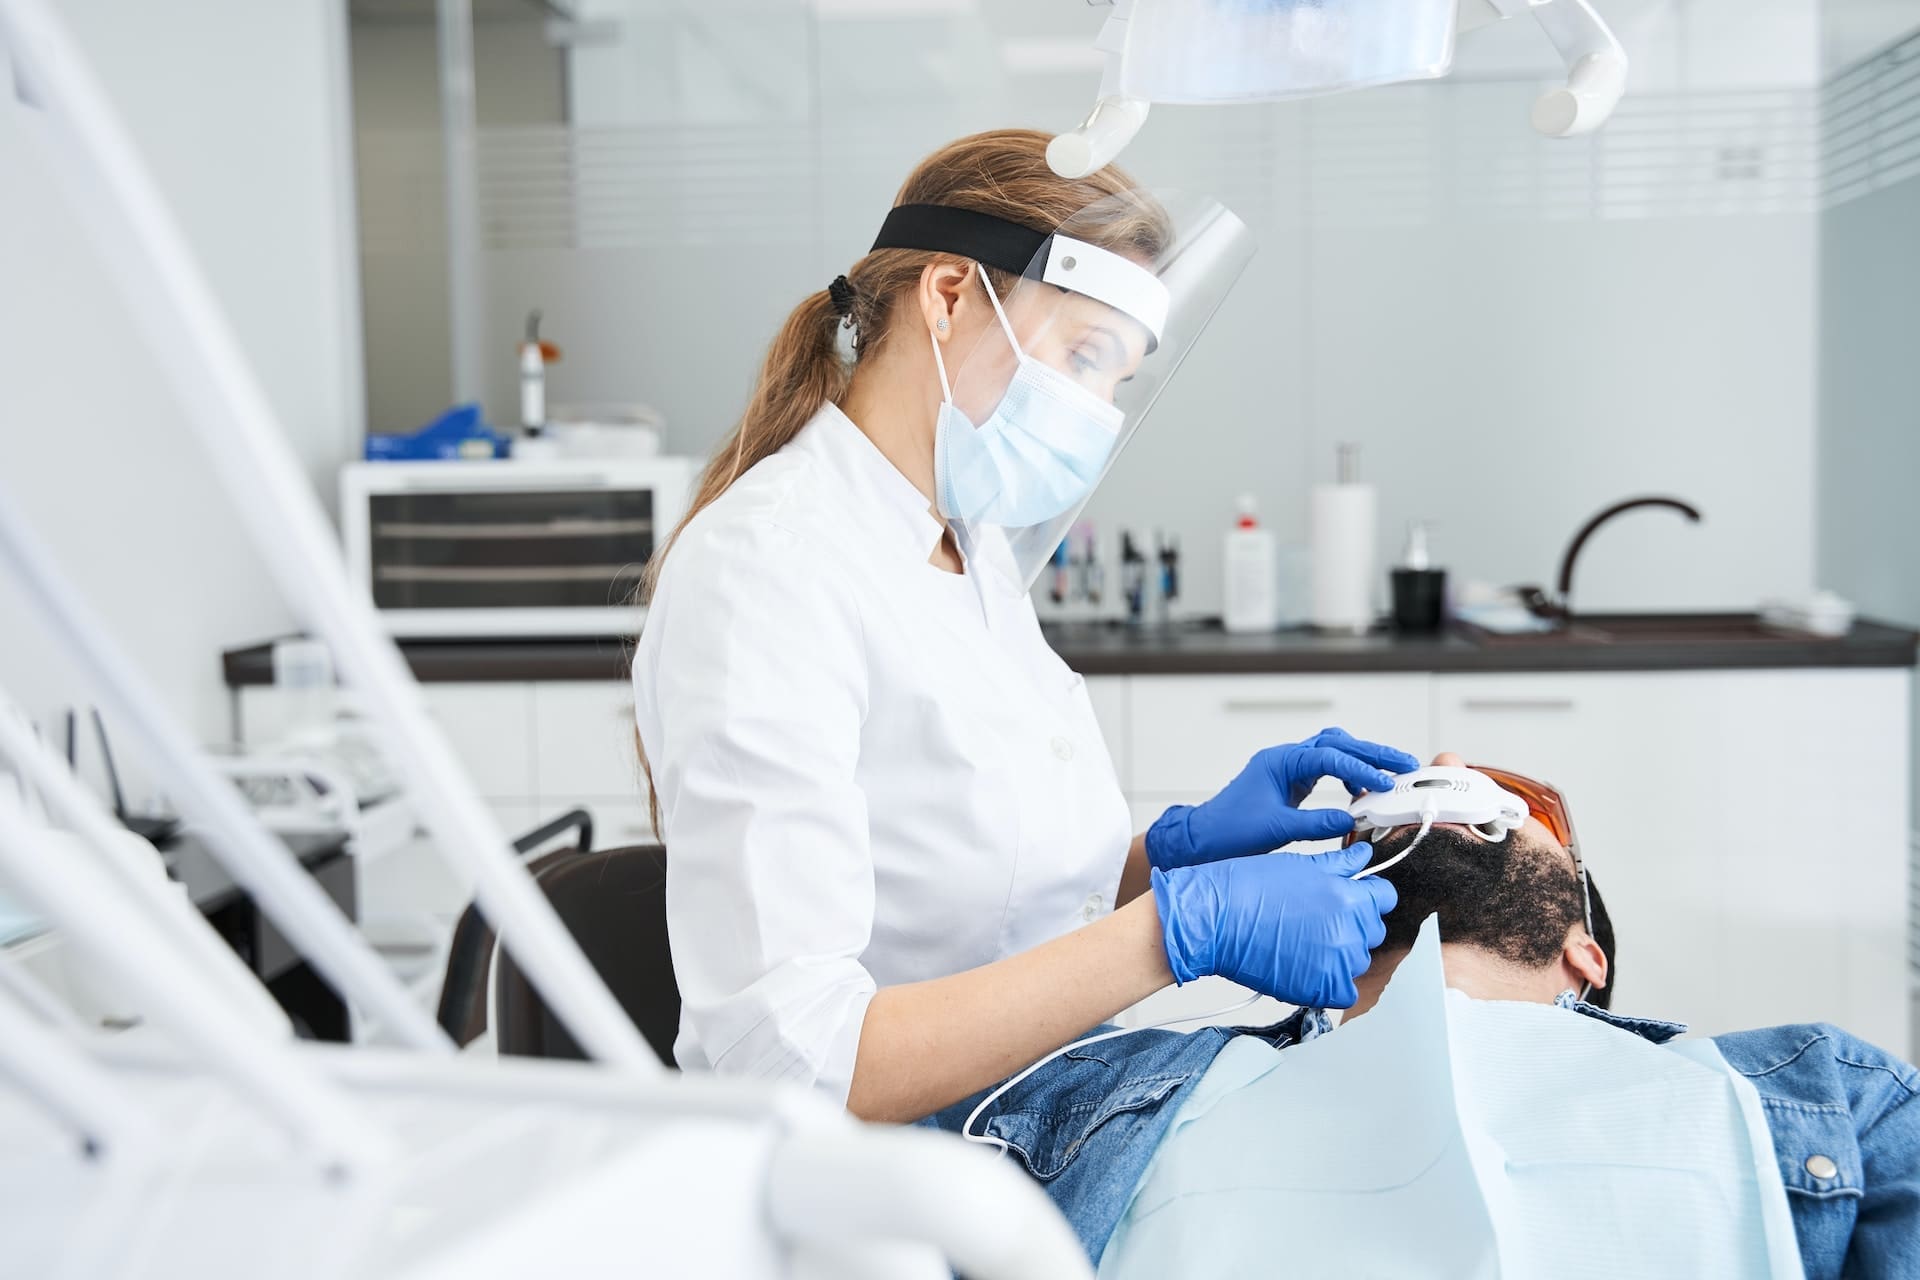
point(1288, 925)
point(1259, 810)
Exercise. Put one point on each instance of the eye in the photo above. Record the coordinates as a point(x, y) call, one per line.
point(1082, 363)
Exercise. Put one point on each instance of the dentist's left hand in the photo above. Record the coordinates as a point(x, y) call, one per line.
point(1259, 810)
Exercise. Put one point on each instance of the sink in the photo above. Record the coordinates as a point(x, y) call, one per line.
point(1653, 629)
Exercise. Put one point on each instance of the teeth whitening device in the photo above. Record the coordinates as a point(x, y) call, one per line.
point(1438, 793)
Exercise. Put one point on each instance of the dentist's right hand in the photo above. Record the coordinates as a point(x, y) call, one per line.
point(1291, 926)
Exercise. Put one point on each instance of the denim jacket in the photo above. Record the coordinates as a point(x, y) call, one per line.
point(1843, 1114)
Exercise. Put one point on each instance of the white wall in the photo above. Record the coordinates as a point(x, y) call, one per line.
point(1517, 331)
point(402, 197)
point(240, 109)
point(1869, 455)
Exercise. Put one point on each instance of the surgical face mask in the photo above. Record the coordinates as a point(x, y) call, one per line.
point(1038, 452)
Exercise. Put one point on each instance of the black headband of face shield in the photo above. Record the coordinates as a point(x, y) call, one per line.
point(939, 228)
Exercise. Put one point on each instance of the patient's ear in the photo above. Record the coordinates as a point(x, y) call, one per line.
point(1583, 957)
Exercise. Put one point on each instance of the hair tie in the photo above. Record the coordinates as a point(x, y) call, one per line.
point(842, 295)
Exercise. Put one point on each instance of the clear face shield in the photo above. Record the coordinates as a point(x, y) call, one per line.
point(1036, 408)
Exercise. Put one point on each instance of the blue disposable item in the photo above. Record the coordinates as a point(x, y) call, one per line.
point(1291, 926)
point(1259, 810)
point(459, 433)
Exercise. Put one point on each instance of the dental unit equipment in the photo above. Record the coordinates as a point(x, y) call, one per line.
point(1229, 51)
point(364, 1160)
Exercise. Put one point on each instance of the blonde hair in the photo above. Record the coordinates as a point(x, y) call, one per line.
point(1003, 172)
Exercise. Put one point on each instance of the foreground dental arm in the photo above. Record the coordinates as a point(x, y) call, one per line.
point(927, 1045)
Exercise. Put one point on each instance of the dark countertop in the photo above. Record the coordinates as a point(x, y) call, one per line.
point(1202, 648)
point(1095, 649)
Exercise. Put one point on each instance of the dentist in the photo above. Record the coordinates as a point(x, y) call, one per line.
point(899, 866)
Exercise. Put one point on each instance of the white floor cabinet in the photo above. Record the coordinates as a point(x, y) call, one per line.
point(1748, 828)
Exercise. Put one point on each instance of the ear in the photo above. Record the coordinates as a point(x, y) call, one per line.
point(943, 288)
point(1582, 958)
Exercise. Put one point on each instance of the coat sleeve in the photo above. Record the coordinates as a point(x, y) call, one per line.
point(750, 688)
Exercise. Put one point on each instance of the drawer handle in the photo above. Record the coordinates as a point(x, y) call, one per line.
point(1518, 704)
point(1279, 704)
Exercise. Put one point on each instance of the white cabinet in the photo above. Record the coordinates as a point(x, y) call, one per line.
point(490, 728)
point(1747, 828)
point(1192, 734)
point(1731, 821)
point(583, 740)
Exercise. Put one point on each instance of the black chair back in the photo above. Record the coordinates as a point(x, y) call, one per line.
point(614, 902)
point(463, 993)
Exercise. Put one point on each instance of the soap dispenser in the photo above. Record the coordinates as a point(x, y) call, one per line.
point(1419, 589)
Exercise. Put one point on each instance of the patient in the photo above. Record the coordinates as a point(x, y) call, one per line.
point(1517, 924)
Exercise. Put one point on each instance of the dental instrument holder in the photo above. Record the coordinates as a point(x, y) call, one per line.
point(1440, 794)
point(1133, 579)
point(1167, 552)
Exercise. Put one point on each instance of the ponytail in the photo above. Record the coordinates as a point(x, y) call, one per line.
point(802, 372)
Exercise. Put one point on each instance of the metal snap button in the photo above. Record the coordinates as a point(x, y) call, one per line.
point(1062, 749)
point(1068, 263)
point(1822, 1168)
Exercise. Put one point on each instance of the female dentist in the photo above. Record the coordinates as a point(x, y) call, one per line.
point(899, 864)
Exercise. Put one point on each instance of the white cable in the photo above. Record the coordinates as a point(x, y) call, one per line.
point(988, 1140)
point(1426, 825)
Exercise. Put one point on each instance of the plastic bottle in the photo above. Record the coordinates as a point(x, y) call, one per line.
point(1252, 574)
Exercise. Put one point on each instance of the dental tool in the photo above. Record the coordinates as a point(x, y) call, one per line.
point(1437, 794)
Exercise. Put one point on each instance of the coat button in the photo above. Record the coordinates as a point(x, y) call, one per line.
point(1094, 906)
point(1822, 1168)
point(1062, 749)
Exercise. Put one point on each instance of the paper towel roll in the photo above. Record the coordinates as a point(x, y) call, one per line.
point(1345, 564)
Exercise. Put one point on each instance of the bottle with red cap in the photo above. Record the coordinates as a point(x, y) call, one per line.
point(1252, 574)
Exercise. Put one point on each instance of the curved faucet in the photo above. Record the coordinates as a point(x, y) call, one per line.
point(1562, 605)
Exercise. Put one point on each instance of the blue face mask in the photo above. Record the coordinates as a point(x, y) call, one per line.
point(1039, 451)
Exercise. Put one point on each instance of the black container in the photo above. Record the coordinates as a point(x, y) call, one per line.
point(1419, 599)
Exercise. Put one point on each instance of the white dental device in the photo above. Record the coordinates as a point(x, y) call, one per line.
point(1435, 794)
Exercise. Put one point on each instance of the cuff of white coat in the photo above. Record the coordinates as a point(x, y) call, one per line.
point(810, 1037)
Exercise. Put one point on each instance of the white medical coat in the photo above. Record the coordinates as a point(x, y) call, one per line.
point(869, 771)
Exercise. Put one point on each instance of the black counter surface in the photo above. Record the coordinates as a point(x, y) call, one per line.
point(1202, 648)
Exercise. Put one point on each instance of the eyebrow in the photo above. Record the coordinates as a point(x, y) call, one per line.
point(1119, 344)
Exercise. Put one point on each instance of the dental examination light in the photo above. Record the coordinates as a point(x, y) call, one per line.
point(1216, 52)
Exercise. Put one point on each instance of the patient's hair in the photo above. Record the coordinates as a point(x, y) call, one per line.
point(1516, 899)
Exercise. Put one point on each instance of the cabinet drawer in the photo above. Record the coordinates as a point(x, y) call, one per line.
point(583, 742)
point(490, 728)
point(1194, 733)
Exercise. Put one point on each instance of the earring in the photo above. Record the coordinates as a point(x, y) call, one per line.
point(941, 324)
